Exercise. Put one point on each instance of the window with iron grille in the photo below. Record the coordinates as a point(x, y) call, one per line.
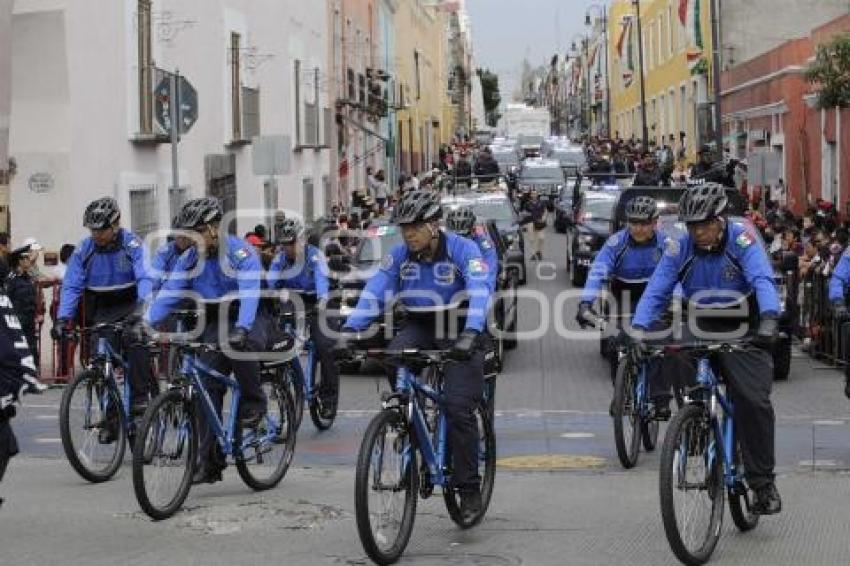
point(145, 62)
point(250, 113)
point(311, 125)
point(352, 86)
point(308, 199)
point(143, 211)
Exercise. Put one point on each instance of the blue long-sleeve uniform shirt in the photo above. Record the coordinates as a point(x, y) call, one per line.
point(115, 268)
point(163, 263)
point(623, 259)
point(489, 253)
point(458, 268)
point(236, 268)
point(722, 278)
point(310, 274)
point(840, 279)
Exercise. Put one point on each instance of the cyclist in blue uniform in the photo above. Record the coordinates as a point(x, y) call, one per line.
point(839, 284)
point(433, 274)
point(217, 270)
point(462, 221)
point(107, 274)
point(302, 267)
point(627, 261)
point(722, 267)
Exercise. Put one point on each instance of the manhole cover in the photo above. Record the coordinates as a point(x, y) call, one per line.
point(551, 462)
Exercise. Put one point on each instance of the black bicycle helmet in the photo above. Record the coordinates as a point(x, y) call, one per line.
point(198, 212)
point(461, 220)
point(289, 231)
point(417, 206)
point(101, 214)
point(641, 209)
point(702, 202)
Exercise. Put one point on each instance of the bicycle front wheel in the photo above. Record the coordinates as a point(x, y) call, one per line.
point(91, 425)
point(691, 486)
point(386, 487)
point(627, 430)
point(164, 455)
point(486, 469)
point(266, 452)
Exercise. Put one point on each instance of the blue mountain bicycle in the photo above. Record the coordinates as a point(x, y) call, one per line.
point(95, 418)
point(632, 409)
point(166, 452)
point(405, 455)
point(305, 380)
point(701, 462)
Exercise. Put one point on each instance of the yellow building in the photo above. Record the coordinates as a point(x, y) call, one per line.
point(420, 86)
point(677, 71)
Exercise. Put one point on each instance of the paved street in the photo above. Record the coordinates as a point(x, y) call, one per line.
point(551, 401)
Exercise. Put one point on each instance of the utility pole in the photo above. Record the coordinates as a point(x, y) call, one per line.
point(645, 127)
point(715, 43)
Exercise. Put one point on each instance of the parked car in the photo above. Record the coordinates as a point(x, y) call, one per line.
point(544, 175)
point(593, 224)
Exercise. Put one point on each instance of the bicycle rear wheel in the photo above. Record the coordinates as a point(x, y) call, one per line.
point(741, 498)
point(386, 487)
point(164, 455)
point(691, 486)
point(267, 451)
point(91, 425)
point(322, 413)
point(627, 430)
point(486, 469)
point(649, 434)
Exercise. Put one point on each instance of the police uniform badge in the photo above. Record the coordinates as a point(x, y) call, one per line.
point(477, 267)
point(672, 247)
point(485, 244)
point(241, 254)
point(744, 240)
point(444, 273)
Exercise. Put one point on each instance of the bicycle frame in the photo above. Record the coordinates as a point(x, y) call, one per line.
point(224, 431)
point(723, 425)
point(307, 377)
point(434, 456)
point(106, 356)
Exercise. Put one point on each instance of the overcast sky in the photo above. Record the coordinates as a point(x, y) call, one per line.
point(506, 31)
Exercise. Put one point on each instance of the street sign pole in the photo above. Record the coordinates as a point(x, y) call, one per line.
point(175, 128)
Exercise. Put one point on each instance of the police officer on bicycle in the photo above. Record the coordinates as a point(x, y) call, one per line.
point(727, 282)
point(107, 273)
point(433, 273)
point(302, 267)
point(216, 271)
point(627, 261)
point(462, 221)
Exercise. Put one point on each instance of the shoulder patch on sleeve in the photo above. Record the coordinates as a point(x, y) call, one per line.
point(613, 240)
point(477, 266)
point(241, 253)
point(387, 262)
point(672, 248)
point(134, 243)
point(485, 244)
point(744, 240)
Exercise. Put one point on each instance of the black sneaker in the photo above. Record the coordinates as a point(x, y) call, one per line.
point(470, 504)
point(207, 474)
point(767, 500)
point(250, 417)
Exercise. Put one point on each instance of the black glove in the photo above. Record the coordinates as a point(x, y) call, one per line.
point(238, 339)
point(59, 328)
point(839, 310)
point(586, 316)
point(463, 346)
point(766, 334)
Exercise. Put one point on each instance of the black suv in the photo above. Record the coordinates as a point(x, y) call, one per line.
point(593, 224)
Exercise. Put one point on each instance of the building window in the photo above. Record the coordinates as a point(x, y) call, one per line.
point(307, 192)
point(671, 28)
point(143, 211)
point(361, 89)
point(297, 72)
point(235, 85)
point(418, 78)
point(145, 67)
point(311, 126)
point(352, 86)
point(250, 113)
